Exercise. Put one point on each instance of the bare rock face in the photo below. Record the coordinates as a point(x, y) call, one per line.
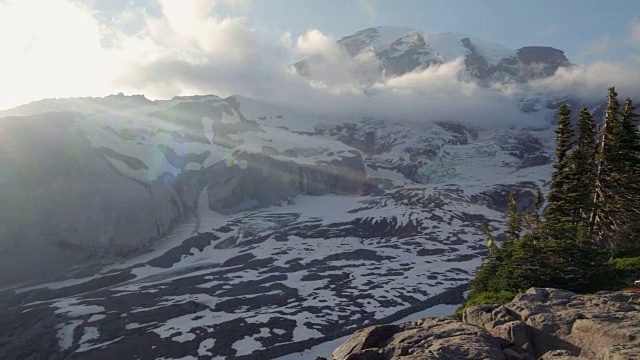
point(431, 338)
point(541, 61)
point(268, 181)
point(543, 321)
point(546, 324)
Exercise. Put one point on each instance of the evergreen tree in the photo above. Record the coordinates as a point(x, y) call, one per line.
point(583, 172)
point(486, 231)
point(560, 209)
point(629, 128)
point(564, 135)
point(586, 131)
point(629, 145)
point(514, 220)
point(485, 277)
point(539, 201)
point(532, 220)
point(605, 217)
point(628, 237)
point(594, 208)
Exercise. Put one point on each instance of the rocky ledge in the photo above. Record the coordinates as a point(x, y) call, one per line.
point(537, 324)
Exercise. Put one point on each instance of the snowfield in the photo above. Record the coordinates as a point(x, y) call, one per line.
point(240, 284)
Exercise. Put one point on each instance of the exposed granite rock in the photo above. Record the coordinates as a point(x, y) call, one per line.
point(430, 338)
point(546, 324)
point(601, 326)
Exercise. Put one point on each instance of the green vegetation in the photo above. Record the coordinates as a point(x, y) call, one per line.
point(625, 270)
point(501, 297)
point(588, 238)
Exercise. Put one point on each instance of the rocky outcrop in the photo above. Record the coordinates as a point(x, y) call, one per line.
point(431, 338)
point(537, 324)
point(541, 61)
point(601, 326)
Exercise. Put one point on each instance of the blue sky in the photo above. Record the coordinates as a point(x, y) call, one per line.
point(162, 48)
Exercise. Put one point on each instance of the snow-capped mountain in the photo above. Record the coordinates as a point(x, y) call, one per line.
point(194, 230)
point(402, 50)
point(207, 227)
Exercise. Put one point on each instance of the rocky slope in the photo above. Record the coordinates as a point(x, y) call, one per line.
point(537, 324)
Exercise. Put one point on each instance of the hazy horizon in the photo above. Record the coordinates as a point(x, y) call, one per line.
point(166, 48)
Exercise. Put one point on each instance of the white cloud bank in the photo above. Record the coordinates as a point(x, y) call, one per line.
point(53, 48)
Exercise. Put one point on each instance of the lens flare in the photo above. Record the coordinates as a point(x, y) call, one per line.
point(242, 164)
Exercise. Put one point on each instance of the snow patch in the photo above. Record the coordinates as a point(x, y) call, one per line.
point(65, 333)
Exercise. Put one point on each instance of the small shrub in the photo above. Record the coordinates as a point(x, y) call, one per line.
point(626, 270)
point(501, 297)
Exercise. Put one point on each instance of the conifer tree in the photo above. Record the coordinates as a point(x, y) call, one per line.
point(514, 220)
point(539, 201)
point(628, 236)
point(583, 172)
point(605, 218)
point(629, 129)
point(593, 212)
point(629, 145)
point(532, 220)
point(559, 209)
point(486, 231)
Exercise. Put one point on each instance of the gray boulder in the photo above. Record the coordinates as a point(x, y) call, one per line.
point(431, 338)
point(601, 326)
point(546, 324)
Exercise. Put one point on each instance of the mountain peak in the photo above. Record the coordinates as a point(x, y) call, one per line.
point(401, 50)
point(375, 37)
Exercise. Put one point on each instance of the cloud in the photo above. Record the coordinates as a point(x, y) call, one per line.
point(634, 31)
point(444, 92)
point(330, 65)
point(369, 8)
point(190, 49)
point(179, 48)
point(437, 93)
point(315, 43)
point(590, 82)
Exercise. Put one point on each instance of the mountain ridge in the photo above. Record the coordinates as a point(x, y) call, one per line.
point(402, 50)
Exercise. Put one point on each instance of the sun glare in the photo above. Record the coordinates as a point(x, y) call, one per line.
point(51, 49)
